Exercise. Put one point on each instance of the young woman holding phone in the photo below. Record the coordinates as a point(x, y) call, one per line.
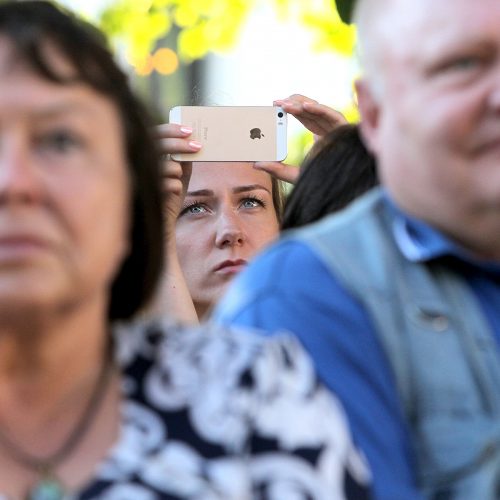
point(220, 214)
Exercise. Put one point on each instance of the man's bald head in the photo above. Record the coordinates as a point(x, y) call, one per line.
point(382, 27)
point(368, 19)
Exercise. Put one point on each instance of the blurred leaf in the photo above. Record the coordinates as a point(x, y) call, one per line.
point(138, 22)
point(186, 15)
point(298, 147)
point(332, 33)
point(351, 113)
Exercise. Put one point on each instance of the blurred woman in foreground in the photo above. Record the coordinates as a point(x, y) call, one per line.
point(90, 408)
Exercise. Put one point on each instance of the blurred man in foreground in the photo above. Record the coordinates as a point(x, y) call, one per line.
point(398, 297)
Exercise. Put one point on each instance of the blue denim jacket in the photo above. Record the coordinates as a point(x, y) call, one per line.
point(438, 341)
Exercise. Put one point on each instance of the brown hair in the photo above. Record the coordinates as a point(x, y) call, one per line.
point(31, 26)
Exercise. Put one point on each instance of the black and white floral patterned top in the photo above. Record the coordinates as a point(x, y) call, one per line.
point(211, 415)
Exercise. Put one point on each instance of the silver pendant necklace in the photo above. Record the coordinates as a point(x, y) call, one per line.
point(48, 486)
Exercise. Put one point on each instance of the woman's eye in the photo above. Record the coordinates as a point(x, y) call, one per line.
point(252, 203)
point(59, 141)
point(197, 209)
point(194, 209)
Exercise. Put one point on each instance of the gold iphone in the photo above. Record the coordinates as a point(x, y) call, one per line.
point(234, 133)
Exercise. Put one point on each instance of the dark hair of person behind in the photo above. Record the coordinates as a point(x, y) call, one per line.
point(32, 25)
point(337, 170)
point(279, 197)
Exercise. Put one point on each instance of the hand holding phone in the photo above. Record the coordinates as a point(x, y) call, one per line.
point(234, 133)
point(173, 138)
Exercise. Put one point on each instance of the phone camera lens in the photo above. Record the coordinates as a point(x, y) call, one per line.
point(280, 115)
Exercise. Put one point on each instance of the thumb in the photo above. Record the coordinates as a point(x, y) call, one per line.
point(282, 171)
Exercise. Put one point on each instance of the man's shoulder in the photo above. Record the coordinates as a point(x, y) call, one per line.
point(294, 248)
point(286, 260)
point(352, 222)
point(281, 274)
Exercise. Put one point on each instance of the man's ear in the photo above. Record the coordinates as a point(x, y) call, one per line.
point(369, 110)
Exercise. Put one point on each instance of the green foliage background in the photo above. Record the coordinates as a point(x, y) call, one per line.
point(213, 25)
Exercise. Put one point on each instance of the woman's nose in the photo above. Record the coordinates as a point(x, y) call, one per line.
point(229, 231)
point(18, 176)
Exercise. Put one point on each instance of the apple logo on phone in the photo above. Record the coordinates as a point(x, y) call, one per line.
point(256, 133)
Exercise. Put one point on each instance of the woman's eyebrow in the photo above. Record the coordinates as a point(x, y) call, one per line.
point(200, 192)
point(63, 108)
point(250, 187)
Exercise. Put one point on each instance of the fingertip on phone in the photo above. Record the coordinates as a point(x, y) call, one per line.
point(261, 165)
point(283, 103)
point(194, 145)
point(310, 104)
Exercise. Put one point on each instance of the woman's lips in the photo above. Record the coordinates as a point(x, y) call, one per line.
point(18, 246)
point(230, 266)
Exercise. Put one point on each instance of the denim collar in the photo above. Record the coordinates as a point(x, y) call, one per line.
point(420, 242)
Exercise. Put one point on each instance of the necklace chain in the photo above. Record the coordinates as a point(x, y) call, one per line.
point(46, 465)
